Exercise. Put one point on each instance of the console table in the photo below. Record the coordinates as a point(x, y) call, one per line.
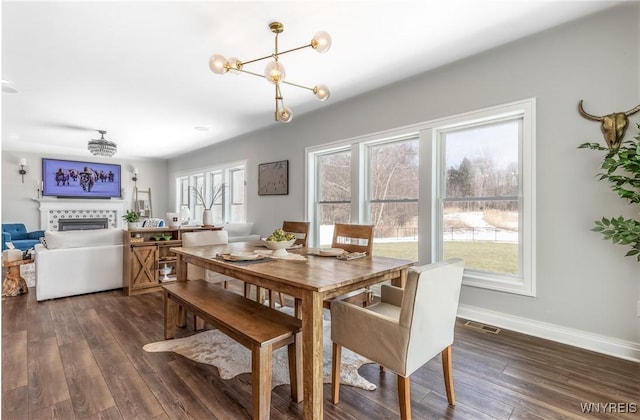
point(145, 254)
point(14, 284)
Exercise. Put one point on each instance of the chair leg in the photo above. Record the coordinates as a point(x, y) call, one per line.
point(335, 372)
point(404, 397)
point(447, 369)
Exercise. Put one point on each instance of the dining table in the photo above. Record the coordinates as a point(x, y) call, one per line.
point(308, 277)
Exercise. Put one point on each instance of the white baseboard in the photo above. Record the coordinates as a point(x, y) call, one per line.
point(599, 343)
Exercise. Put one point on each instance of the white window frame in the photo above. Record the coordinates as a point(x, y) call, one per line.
point(524, 282)
point(206, 174)
point(430, 167)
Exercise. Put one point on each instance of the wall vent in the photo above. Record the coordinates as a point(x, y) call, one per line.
point(482, 327)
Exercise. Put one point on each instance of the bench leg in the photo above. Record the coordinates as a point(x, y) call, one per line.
point(170, 316)
point(295, 368)
point(261, 371)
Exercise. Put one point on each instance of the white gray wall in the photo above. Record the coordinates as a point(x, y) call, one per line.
point(18, 205)
point(583, 283)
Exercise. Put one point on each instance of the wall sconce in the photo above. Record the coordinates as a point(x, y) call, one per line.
point(134, 178)
point(23, 165)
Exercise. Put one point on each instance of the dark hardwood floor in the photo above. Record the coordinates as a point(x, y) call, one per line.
point(82, 357)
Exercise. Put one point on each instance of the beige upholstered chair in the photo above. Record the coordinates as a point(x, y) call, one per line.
point(205, 237)
point(405, 330)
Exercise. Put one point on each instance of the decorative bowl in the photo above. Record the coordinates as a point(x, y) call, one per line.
point(279, 248)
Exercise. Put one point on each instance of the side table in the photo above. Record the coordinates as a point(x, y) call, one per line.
point(14, 284)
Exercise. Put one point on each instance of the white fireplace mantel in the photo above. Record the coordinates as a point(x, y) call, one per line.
point(52, 209)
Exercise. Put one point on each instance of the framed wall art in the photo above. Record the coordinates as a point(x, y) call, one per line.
point(273, 178)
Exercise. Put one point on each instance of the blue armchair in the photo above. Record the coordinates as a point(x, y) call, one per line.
point(17, 234)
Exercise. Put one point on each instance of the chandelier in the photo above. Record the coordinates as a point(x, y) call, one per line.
point(274, 71)
point(102, 146)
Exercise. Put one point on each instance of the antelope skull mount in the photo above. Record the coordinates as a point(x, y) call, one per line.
point(613, 125)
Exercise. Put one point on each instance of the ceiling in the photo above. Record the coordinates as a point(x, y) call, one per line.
point(139, 70)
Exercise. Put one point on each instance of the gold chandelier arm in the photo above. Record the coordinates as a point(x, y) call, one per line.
point(250, 72)
point(297, 85)
point(284, 81)
point(276, 54)
point(294, 49)
point(257, 59)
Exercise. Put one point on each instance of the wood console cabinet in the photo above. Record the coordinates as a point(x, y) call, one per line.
point(145, 254)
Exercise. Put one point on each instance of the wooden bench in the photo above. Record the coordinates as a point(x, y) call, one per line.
point(257, 327)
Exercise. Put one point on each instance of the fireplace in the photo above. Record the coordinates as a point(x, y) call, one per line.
point(89, 223)
point(53, 210)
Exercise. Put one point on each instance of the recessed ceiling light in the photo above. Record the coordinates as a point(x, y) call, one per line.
point(202, 128)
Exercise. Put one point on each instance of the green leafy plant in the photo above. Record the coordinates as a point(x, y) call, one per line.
point(621, 168)
point(131, 216)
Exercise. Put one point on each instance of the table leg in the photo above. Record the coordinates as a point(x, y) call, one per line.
point(312, 354)
point(181, 275)
point(401, 280)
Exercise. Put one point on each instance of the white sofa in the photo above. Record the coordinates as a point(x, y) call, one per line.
point(240, 232)
point(77, 262)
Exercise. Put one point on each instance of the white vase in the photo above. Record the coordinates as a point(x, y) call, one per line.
point(133, 225)
point(207, 218)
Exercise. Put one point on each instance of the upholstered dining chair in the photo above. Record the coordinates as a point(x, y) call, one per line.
point(301, 230)
point(205, 237)
point(405, 330)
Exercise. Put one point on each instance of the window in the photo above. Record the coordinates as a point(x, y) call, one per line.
point(484, 196)
point(333, 193)
point(228, 207)
point(379, 187)
point(464, 183)
point(392, 196)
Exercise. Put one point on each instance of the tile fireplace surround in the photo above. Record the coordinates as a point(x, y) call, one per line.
point(51, 210)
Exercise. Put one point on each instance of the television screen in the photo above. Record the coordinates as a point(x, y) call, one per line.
point(75, 179)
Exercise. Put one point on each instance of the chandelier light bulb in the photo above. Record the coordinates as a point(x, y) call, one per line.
point(321, 42)
point(322, 92)
point(218, 64)
point(285, 115)
point(274, 72)
point(234, 65)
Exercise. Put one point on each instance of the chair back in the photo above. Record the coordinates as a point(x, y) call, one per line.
point(353, 238)
point(206, 237)
point(300, 229)
point(429, 308)
point(16, 230)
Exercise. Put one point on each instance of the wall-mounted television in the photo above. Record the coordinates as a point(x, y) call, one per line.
point(77, 179)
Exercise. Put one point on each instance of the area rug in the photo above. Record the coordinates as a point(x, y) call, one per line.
point(214, 348)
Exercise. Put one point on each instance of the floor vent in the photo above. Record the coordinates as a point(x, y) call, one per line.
point(482, 327)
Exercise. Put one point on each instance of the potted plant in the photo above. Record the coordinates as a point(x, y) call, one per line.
point(217, 190)
point(133, 219)
point(621, 167)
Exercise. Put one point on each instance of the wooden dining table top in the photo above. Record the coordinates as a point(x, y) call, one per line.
point(324, 274)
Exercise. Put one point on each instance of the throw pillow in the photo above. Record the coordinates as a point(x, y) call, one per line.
point(43, 241)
